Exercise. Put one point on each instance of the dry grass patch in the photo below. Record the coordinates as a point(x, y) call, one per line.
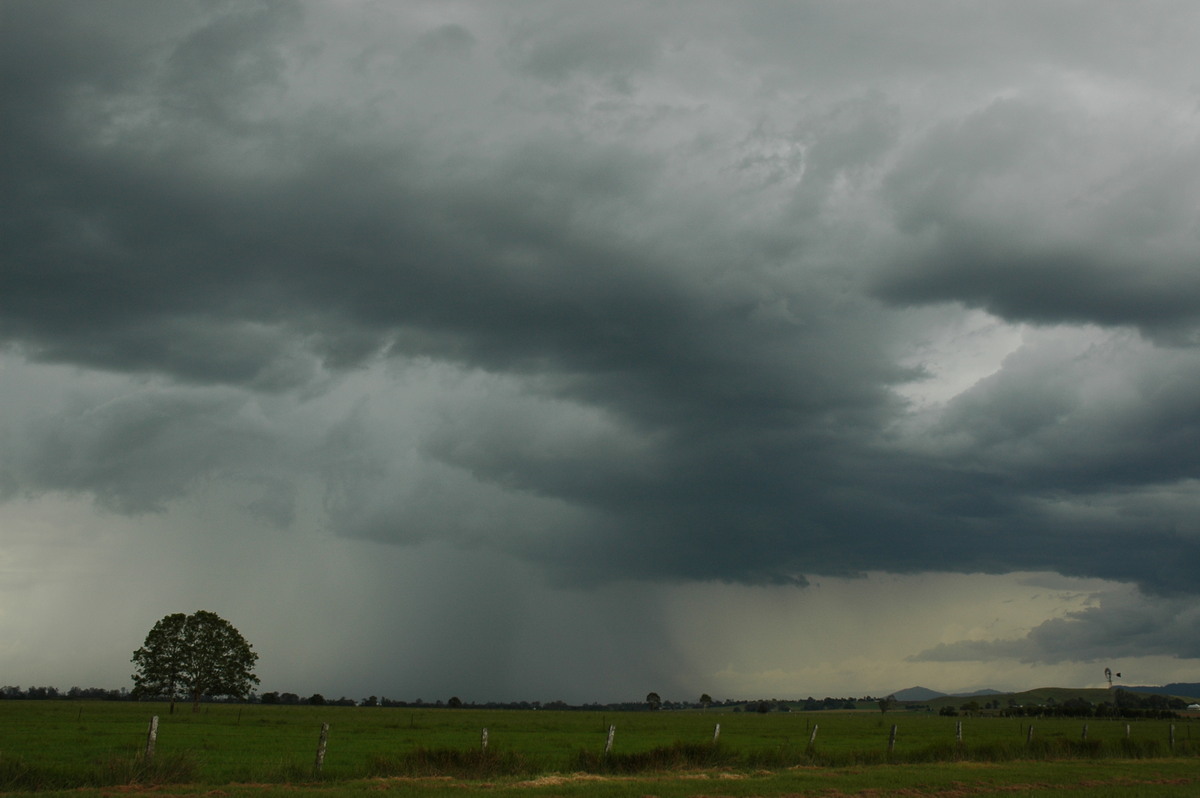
point(558, 779)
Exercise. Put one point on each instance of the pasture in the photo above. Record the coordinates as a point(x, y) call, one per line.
point(62, 745)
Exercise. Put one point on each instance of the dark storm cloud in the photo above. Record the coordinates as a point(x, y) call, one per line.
point(695, 300)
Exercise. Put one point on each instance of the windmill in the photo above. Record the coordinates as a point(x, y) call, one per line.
point(1108, 675)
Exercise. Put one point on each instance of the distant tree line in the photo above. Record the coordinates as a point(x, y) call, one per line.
point(74, 694)
point(317, 699)
point(1125, 704)
point(813, 704)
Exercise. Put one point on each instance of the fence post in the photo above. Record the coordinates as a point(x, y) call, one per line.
point(1084, 732)
point(716, 734)
point(812, 738)
point(151, 739)
point(612, 732)
point(1126, 731)
point(1029, 735)
point(321, 743)
point(483, 742)
point(958, 731)
point(1171, 736)
point(892, 739)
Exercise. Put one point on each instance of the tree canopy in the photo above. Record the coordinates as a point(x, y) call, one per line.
point(199, 655)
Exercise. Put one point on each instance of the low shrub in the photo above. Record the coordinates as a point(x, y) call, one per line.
point(18, 775)
point(452, 762)
point(679, 756)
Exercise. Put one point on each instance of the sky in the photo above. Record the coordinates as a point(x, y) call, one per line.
point(522, 350)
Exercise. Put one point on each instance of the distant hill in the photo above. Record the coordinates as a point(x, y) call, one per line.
point(1180, 689)
point(917, 694)
point(1042, 695)
point(925, 694)
point(977, 693)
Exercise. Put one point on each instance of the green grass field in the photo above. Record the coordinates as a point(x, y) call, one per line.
point(62, 745)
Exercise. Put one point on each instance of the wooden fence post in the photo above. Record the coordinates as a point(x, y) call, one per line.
point(892, 739)
point(1029, 735)
point(321, 743)
point(612, 732)
point(1171, 737)
point(716, 734)
point(958, 731)
point(812, 738)
point(1126, 731)
point(484, 741)
point(1084, 732)
point(151, 739)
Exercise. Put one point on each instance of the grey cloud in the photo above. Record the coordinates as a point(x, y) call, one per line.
point(1014, 43)
point(134, 452)
point(1036, 211)
point(556, 46)
point(254, 355)
point(275, 501)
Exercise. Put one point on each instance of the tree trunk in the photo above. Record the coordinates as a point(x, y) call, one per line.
point(195, 701)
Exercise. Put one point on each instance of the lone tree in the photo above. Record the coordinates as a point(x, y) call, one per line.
point(200, 655)
point(653, 701)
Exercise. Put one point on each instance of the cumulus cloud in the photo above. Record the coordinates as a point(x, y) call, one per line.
point(1117, 626)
